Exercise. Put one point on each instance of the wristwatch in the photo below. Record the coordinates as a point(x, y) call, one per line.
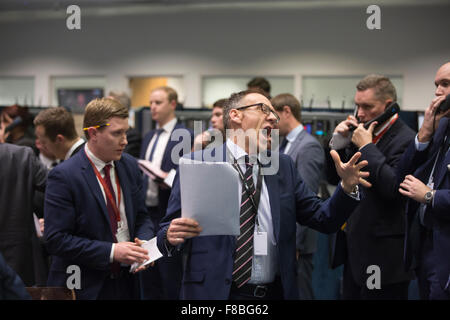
point(428, 197)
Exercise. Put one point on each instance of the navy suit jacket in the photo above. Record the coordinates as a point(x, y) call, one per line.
point(166, 165)
point(420, 164)
point(77, 225)
point(207, 274)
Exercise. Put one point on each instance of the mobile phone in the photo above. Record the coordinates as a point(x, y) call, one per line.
point(392, 109)
point(445, 105)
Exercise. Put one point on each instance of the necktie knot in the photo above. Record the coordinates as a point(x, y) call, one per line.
point(107, 169)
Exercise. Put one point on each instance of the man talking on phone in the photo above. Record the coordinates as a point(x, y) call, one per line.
point(425, 174)
point(370, 243)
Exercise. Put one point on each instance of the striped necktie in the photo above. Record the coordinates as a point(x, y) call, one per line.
point(242, 268)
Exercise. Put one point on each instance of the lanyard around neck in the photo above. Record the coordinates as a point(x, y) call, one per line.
point(108, 194)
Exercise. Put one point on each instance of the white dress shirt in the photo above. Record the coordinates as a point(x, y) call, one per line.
point(151, 199)
point(72, 149)
point(264, 268)
point(99, 164)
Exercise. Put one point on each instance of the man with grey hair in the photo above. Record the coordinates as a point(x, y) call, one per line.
point(229, 267)
point(374, 234)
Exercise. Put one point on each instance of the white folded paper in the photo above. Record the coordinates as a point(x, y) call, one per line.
point(153, 253)
point(210, 195)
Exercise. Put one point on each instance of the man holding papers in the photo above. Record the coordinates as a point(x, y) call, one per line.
point(260, 262)
point(162, 281)
point(95, 212)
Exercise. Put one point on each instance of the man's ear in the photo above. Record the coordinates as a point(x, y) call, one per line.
point(92, 133)
point(287, 111)
point(235, 116)
point(388, 103)
point(173, 104)
point(60, 138)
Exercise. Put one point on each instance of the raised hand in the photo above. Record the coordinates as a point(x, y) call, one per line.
point(362, 136)
point(350, 172)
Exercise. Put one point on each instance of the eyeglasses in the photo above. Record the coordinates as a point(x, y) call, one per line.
point(264, 108)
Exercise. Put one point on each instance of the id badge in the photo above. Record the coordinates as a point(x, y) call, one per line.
point(122, 234)
point(260, 243)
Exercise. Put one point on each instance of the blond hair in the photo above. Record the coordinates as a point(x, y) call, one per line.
point(99, 111)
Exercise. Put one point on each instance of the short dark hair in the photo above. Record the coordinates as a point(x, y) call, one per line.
point(221, 103)
point(56, 120)
point(383, 87)
point(259, 82)
point(287, 99)
point(233, 102)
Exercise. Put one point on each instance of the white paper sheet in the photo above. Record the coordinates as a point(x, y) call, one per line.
point(153, 253)
point(210, 195)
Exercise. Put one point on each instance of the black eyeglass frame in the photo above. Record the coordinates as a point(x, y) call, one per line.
point(264, 108)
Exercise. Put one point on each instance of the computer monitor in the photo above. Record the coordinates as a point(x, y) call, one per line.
point(76, 100)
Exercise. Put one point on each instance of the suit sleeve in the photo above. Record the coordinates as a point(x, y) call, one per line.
point(60, 226)
point(324, 216)
point(441, 204)
point(383, 175)
point(144, 228)
point(173, 212)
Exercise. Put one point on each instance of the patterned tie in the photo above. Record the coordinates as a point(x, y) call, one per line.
point(242, 268)
point(115, 266)
point(158, 134)
point(109, 206)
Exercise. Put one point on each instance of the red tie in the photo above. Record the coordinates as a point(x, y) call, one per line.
point(115, 266)
point(109, 206)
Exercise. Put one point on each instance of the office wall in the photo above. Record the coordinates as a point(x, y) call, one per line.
point(413, 42)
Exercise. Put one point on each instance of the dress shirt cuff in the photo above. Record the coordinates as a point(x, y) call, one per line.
point(169, 179)
point(111, 256)
point(420, 146)
point(354, 194)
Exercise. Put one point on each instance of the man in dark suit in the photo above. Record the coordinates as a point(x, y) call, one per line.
point(373, 236)
point(55, 130)
point(309, 160)
point(21, 176)
point(94, 209)
point(224, 267)
point(425, 171)
point(163, 280)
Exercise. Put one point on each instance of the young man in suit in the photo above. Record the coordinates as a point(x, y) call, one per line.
point(94, 210)
point(425, 171)
point(163, 280)
point(309, 160)
point(374, 234)
point(224, 267)
point(55, 130)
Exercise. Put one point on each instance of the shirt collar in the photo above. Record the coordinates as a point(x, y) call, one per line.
point(237, 152)
point(72, 149)
point(294, 133)
point(168, 127)
point(99, 164)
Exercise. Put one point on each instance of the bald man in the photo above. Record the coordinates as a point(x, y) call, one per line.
point(425, 171)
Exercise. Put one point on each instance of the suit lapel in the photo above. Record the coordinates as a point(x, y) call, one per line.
point(124, 182)
point(274, 200)
point(91, 181)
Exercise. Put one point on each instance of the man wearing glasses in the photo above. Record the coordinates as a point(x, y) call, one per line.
point(227, 267)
